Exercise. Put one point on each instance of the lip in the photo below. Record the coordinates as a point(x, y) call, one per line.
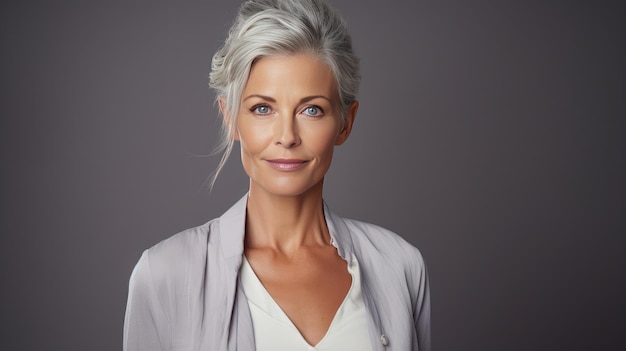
point(286, 164)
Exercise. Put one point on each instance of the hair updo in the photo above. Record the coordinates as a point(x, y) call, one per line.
point(280, 27)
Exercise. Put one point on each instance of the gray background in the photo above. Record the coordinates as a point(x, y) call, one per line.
point(490, 135)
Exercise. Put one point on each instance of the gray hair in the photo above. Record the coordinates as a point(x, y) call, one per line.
point(280, 27)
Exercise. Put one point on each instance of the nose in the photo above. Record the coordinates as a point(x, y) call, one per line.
point(286, 131)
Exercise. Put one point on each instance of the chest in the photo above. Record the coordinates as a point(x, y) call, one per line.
point(274, 330)
point(308, 289)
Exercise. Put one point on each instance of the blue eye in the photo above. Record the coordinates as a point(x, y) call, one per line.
point(261, 109)
point(313, 111)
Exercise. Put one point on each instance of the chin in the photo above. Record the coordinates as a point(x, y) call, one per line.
point(290, 188)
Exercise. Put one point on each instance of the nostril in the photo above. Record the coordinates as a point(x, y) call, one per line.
point(288, 138)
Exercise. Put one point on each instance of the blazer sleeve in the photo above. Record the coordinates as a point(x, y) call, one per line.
point(421, 312)
point(146, 327)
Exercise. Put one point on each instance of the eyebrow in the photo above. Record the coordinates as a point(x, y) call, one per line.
point(271, 99)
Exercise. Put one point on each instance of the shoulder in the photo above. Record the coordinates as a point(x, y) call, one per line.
point(387, 258)
point(374, 239)
point(172, 259)
point(162, 288)
point(186, 243)
point(394, 269)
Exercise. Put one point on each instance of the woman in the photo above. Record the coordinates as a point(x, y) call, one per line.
point(279, 270)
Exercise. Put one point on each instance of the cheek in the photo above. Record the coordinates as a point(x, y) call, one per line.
point(323, 141)
point(249, 148)
point(252, 139)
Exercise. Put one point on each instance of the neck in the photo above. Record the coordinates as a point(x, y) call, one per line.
point(285, 223)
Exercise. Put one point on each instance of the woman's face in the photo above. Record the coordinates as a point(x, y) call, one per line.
point(289, 123)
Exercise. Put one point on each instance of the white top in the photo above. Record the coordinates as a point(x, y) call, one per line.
point(274, 331)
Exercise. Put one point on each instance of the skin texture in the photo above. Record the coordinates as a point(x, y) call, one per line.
point(288, 126)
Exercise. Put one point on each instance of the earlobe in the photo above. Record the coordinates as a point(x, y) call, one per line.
point(348, 123)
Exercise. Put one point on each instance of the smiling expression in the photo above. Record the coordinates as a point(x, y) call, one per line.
point(289, 123)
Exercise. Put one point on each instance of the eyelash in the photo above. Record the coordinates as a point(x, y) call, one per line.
point(320, 111)
point(255, 109)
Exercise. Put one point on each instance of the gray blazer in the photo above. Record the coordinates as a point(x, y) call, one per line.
point(185, 294)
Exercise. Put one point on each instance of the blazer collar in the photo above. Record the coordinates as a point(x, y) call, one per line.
point(233, 226)
point(339, 234)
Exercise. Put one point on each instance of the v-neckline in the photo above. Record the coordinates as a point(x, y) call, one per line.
point(260, 297)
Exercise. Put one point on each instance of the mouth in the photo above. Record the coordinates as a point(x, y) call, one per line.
point(286, 165)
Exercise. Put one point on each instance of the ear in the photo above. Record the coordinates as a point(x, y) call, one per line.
point(348, 123)
point(221, 101)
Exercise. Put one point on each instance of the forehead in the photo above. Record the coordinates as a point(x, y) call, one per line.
point(293, 75)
